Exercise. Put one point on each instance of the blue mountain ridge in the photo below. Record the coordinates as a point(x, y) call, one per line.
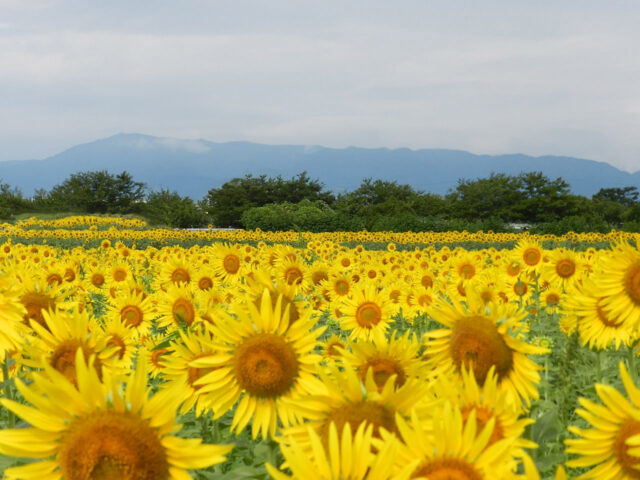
point(192, 167)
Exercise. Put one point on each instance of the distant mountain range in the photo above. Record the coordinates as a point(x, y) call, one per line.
point(192, 167)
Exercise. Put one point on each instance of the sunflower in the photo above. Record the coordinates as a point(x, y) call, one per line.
point(488, 402)
point(529, 253)
point(565, 268)
point(480, 337)
point(619, 282)
point(11, 316)
point(190, 346)
point(346, 456)
point(260, 361)
point(175, 270)
point(453, 448)
point(597, 327)
point(101, 430)
point(292, 272)
point(122, 337)
point(366, 312)
point(397, 356)
point(133, 310)
point(226, 262)
point(341, 397)
point(179, 305)
point(610, 447)
point(62, 335)
point(337, 286)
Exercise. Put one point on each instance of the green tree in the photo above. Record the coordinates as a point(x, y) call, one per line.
point(227, 203)
point(543, 199)
point(171, 209)
point(98, 192)
point(11, 201)
point(495, 196)
point(626, 196)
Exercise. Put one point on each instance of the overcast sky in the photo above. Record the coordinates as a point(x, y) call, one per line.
point(544, 77)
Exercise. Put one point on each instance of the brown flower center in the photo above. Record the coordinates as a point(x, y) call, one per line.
point(628, 463)
point(63, 358)
point(112, 445)
point(355, 413)
point(180, 275)
point(565, 268)
point(477, 344)
point(183, 310)
point(531, 256)
point(383, 368)
point(632, 282)
point(447, 469)
point(231, 263)
point(131, 315)
point(368, 315)
point(265, 365)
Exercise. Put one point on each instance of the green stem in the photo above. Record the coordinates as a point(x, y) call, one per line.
point(598, 366)
point(631, 362)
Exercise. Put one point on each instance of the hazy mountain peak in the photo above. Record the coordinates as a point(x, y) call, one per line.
point(193, 166)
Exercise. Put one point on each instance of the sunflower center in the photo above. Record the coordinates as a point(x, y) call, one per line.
point(632, 282)
point(131, 315)
point(231, 263)
point(368, 315)
point(426, 281)
point(341, 287)
point(333, 349)
point(63, 358)
point(116, 341)
point(34, 303)
point(156, 355)
point(97, 279)
point(355, 413)
point(180, 275)
point(565, 268)
point(476, 343)
point(205, 283)
point(552, 298)
point(319, 276)
point(265, 365)
point(467, 271)
point(513, 269)
point(120, 275)
point(293, 276)
point(628, 463)
point(54, 278)
point(69, 275)
point(531, 256)
point(183, 310)
point(447, 469)
point(482, 418)
point(520, 288)
point(383, 368)
point(112, 445)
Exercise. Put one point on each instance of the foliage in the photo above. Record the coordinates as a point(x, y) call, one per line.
point(228, 203)
point(98, 192)
point(169, 208)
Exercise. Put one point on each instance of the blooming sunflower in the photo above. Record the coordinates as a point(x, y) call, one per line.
point(62, 335)
point(529, 254)
point(226, 262)
point(565, 268)
point(178, 305)
point(100, 430)
point(260, 361)
point(453, 448)
point(597, 327)
point(610, 446)
point(395, 356)
point(341, 397)
point(134, 310)
point(366, 312)
point(345, 456)
point(11, 317)
point(480, 337)
point(619, 281)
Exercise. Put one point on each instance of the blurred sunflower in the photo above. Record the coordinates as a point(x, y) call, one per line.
point(366, 313)
point(100, 430)
point(610, 447)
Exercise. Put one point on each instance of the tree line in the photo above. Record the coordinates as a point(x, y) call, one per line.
point(497, 203)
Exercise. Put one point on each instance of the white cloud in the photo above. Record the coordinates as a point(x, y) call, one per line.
point(489, 81)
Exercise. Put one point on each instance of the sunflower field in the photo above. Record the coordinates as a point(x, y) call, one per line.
point(146, 354)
